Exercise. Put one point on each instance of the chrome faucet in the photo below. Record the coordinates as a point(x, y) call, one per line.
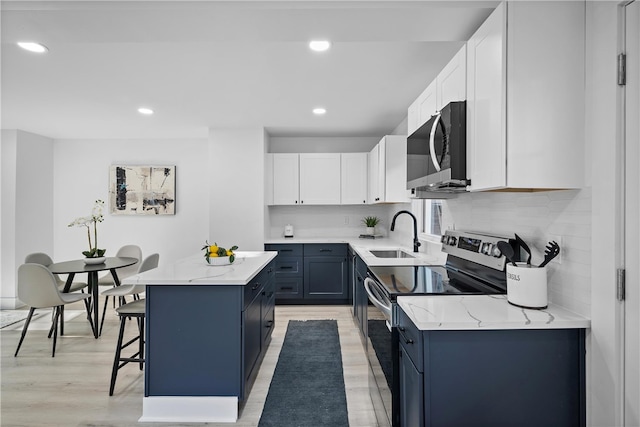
point(416, 243)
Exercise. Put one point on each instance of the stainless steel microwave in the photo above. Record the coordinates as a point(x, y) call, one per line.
point(437, 152)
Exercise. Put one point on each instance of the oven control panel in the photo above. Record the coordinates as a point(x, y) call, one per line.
point(477, 247)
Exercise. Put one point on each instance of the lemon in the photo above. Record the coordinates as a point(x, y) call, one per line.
point(229, 253)
point(213, 248)
point(213, 254)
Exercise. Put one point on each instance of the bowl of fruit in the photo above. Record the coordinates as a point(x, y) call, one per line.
point(217, 255)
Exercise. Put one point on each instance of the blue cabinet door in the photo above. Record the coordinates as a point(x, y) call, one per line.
point(325, 277)
point(411, 392)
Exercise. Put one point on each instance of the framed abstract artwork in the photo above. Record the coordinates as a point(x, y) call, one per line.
point(142, 190)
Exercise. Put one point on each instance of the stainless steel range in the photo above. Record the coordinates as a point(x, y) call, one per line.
point(474, 265)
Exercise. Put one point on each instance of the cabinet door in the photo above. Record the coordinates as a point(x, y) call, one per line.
point(486, 113)
point(411, 392)
point(252, 335)
point(354, 178)
point(428, 103)
point(413, 117)
point(285, 179)
point(325, 278)
point(394, 176)
point(374, 171)
point(452, 80)
point(320, 178)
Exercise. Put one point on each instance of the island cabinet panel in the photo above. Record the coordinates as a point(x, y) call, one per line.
point(411, 391)
point(207, 340)
point(194, 347)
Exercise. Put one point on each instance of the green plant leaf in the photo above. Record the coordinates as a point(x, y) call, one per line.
point(233, 248)
point(232, 258)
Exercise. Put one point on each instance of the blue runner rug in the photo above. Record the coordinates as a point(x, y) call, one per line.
point(307, 389)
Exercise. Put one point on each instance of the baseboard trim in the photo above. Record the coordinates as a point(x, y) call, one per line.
point(190, 409)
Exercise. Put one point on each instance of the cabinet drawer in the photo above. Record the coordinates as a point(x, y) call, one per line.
point(410, 339)
point(285, 249)
point(255, 286)
point(268, 296)
point(330, 249)
point(288, 266)
point(289, 288)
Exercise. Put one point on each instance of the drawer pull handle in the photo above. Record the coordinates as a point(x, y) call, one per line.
point(255, 287)
point(401, 328)
point(286, 267)
point(269, 324)
point(326, 250)
point(286, 250)
point(408, 341)
point(286, 288)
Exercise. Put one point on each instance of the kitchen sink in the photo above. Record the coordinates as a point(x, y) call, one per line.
point(392, 254)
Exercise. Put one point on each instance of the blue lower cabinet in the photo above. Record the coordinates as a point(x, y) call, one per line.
point(498, 378)
point(411, 392)
point(325, 278)
point(311, 273)
point(207, 340)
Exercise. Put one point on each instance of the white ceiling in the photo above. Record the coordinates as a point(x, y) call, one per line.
point(202, 64)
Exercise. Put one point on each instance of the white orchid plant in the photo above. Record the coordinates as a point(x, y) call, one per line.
point(86, 221)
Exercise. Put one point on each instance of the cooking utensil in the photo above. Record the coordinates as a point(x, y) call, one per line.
point(552, 251)
point(525, 247)
point(507, 251)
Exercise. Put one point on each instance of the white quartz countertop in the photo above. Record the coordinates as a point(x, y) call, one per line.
point(363, 248)
point(195, 271)
point(478, 312)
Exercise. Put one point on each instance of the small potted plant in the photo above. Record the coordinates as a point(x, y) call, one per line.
point(371, 222)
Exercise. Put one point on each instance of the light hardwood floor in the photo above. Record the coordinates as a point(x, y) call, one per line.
point(72, 388)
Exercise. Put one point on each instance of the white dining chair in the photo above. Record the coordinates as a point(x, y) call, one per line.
point(123, 291)
point(44, 259)
point(128, 251)
point(38, 288)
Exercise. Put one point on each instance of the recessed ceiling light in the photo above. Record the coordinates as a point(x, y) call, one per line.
point(319, 45)
point(319, 111)
point(145, 111)
point(33, 47)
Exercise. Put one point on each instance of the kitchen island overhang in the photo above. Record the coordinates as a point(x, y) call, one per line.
point(207, 330)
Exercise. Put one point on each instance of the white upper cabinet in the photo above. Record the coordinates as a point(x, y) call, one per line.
point(450, 85)
point(320, 178)
point(525, 98)
point(354, 175)
point(285, 179)
point(388, 171)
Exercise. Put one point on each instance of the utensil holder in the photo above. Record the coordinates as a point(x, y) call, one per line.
point(527, 285)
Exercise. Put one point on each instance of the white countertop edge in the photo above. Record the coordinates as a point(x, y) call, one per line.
point(484, 312)
point(194, 271)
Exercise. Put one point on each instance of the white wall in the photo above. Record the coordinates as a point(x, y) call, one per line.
point(8, 149)
point(81, 175)
point(27, 197)
point(236, 187)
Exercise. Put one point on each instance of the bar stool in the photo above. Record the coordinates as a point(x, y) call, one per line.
point(126, 311)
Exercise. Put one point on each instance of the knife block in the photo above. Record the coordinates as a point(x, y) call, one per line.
point(527, 286)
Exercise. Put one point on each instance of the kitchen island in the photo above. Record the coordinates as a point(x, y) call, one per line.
point(477, 360)
point(207, 330)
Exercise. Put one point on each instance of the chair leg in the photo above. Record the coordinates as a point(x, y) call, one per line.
point(55, 330)
point(61, 320)
point(24, 330)
point(116, 360)
point(104, 311)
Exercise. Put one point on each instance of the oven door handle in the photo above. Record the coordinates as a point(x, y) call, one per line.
point(376, 296)
point(432, 143)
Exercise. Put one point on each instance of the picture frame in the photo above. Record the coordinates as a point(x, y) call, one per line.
point(142, 190)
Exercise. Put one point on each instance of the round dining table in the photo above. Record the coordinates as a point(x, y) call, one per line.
point(79, 266)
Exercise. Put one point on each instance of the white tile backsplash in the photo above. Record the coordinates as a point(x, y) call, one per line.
point(537, 217)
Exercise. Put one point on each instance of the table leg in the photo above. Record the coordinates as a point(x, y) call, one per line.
point(93, 284)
